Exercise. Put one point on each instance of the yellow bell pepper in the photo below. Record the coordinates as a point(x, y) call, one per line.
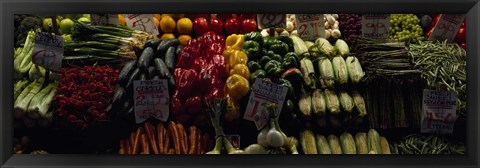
point(237, 86)
point(237, 57)
point(234, 41)
point(240, 69)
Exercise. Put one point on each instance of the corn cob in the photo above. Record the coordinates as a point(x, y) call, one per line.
point(359, 103)
point(340, 70)
point(305, 104)
point(354, 69)
point(322, 145)
point(334, 144)
point(318, 103)
point(331, 99)
point(307, 139)
point(385, 145)
point(346, 101)
point(374, 142)
point(326, 72)
point(306, 66)
point(348, 143)
point(361, 143)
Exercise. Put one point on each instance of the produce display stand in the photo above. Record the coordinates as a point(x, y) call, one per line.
point(193, 83)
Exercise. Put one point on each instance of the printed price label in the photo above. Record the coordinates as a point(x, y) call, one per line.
point(310, 26)
point(234, 140)
point(375, 26)
point(438, 111)
point(142, 22)
point(48, 51)
point(103, 19)
point(151, 99)
point(264, 92)
point(447, 27)
point(266, 21)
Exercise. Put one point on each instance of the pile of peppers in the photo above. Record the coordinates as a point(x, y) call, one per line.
point(200, 73)
point(460, 37)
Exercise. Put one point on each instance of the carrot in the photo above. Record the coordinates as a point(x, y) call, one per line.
point(132, 138)
point(160, 129)
point(171, 151)
point(144, 142)
point(150, 130)
point(129, 146)
point(136, 142)
point(172, 128)
point(193, 139)
point(199, 142)
point(183, 136)
point(168, 139)
point(122, 147)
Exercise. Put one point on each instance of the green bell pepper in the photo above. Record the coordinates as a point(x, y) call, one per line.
point(274, 69)
point(264, 60)
point(253, 66)
point(252, 49)
point(274, 56)
point(268, 41)
point(291, 61)
point(289, 85)
point(257, 74)
point(287, 40)
point(280, 48)
point(254, 36)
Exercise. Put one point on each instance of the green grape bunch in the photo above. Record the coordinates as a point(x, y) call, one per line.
point(406, 27)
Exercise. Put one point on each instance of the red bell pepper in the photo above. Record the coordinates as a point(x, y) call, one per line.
point(187, 81)
point(215, 48)
point(206, 74)
point(199, 63)
point(215, 93)
point(221, 65)
point(186, 57)
point(194, 105)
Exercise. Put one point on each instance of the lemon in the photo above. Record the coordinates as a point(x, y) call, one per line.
point(174, 16)
point(157, 23)
point(121, 19)
point(167, 24)
point(184, 39)
point(158, 16)
point(167, 36)
point(184, 26)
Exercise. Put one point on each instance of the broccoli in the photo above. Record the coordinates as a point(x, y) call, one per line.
point(27, 24)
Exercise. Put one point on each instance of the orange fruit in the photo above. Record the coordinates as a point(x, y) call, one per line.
point(184, 39)
point(121, 19)
point(167, 24)
point(158, 16)
point(167, 36)
point(157, 23)
point(175, 16)
point(184, 26)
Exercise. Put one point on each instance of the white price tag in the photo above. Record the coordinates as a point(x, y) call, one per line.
point(142, 22)
point(48, 51)
point(266, 21)
point(310, 26)
point(264, 92)
point(103, 19)
point(447, 27)
point(438, 111)
point(151, 100)
point(375, 26)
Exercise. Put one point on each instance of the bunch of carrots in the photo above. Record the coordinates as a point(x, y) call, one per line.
point(170, 139)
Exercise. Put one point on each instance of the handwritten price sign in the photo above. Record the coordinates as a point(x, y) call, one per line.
point(142, 22)
point(151, 100)
point(447, 27)
point(439, 111)
point(310, 26)
point(48, 51)
point(375, 26)
point(264, 92)
point(266, 21)
point(103, 19)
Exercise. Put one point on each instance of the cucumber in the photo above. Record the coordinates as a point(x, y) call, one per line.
point(126, 106)
point(126, 71)
point(163, 46)
point(156, 77)
point(143, 76)
point(135, 75)
point(146, 57)
point(179, 49)
point(152, 71)
point(170, 58)
point(152, 43)
point(119, 96)
point(162, 68)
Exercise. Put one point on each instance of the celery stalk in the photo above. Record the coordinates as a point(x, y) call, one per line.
point(35, 103)
point(20, 108)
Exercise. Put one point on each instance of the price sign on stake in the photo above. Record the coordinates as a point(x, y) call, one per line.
point(310, 26)
point(266, 21)
point(264, 92)
point(375, 26)
point(151, 100)
point(447, 27)
point(48, 51)
point(142, 22)
point(103, 19)
point(438, 111)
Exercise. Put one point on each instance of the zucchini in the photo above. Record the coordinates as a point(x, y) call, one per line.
point(164, 45)
point(135, 75)
point(126, 71)
point(156, 77)
point(146, 58)
point(162, 68)
point(170, 58)
point(152, 71)
point(119, 95)
point(179, 49)
point(143, 76)
point(152, 43)
point(126, 106)
point(322, 145)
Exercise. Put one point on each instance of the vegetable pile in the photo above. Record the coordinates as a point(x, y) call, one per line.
point(433, 144)
point(406, 27)
point(350, 26)
point(83, 96)
point(172, 138)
